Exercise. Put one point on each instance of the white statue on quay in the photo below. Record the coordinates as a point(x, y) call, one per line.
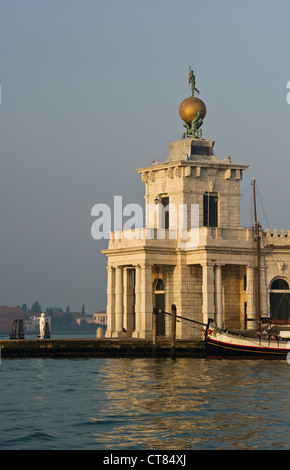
point(42, 326)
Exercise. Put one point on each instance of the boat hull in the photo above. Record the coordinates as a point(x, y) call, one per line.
point(234, 348)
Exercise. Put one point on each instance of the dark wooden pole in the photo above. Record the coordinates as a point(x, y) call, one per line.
point(173, 331)
point(154, 330)
point(258, 241)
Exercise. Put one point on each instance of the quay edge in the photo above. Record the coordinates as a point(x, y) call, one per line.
point(92, 347)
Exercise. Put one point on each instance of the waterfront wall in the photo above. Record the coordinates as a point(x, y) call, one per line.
point(97, 348)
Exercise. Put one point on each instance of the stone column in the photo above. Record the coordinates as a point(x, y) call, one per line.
point(136, 332)
point(146, 301)
point(128, 301)
point(251, 310)
point(208, 307)
point(119, 302)
point(218, 296)
point(110, 301)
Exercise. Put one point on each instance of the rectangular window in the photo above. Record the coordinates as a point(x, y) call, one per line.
point(210, 210)
point(165, 212)
point(245, 282)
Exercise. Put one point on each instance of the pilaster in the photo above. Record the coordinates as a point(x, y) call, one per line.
point(119, 302)
point(110, 301)
point(208, 307)
point(146, 301)
point(136, 332)
point(251, 310)
point(218, 296)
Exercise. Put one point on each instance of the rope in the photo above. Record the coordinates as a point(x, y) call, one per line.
point(187, 319)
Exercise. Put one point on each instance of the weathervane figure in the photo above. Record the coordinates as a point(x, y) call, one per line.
point(191, 81)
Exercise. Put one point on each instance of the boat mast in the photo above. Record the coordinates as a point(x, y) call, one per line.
point(258, 243)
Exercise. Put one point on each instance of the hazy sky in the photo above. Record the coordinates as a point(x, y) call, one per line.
point(90, 91)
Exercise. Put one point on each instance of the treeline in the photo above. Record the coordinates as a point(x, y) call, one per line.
point(61, 320)
point(36, 308)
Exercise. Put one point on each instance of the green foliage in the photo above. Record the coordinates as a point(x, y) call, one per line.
point(36, 307)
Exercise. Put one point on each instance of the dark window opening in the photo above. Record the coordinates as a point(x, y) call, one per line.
point(245, 315)
point(201, 150)
point(280, 284)
point(280, 306)
point(210, 210)
point(280, 301)
point(159, 285)
point(245, 282)
point(165, 212)
point(160, 305)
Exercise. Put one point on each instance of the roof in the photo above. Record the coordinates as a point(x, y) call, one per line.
point(12, 310)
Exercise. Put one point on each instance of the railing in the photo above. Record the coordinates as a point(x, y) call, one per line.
point(184, 239)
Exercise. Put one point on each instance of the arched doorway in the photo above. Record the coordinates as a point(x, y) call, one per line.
point(280, 299)
point(160, 305)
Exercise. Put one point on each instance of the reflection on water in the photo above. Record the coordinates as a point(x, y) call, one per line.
point(156, 404)
point(194, 404)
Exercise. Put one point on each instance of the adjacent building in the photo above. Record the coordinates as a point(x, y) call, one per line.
point(7, 315)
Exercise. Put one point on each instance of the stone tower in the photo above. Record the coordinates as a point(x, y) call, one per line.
point(192, 251)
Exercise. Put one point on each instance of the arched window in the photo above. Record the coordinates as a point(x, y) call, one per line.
point(159, 285)
point(280, 299)
point(279, 284)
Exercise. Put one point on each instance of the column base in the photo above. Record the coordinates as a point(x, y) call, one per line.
point(119, 334)
point(135, 334)
point(145, 335)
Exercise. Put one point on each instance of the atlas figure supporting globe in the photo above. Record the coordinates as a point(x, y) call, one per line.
point(194, 130)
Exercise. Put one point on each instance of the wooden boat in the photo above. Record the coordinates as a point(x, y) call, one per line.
point(222, 343)
point(267, 341)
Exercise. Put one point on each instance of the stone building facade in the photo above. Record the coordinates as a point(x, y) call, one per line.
point(192, 251)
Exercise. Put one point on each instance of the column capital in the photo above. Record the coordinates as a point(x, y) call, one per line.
point(110, 267)
point(146, 265)
point(208, 265)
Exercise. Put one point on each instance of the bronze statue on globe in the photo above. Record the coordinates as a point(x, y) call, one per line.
point(191, 81)
point(192, 111)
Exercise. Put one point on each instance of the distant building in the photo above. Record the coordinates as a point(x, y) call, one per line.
point(100, 318)
point(79, 317)
point(7, 315)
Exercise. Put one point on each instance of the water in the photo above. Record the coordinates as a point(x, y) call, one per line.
point(123, 404)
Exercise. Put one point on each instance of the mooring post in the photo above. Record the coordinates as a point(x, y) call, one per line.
point(154, 330)
point(173, 331)
point(17, 329)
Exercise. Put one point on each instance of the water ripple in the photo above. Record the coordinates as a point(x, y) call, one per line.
point(144, 404)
